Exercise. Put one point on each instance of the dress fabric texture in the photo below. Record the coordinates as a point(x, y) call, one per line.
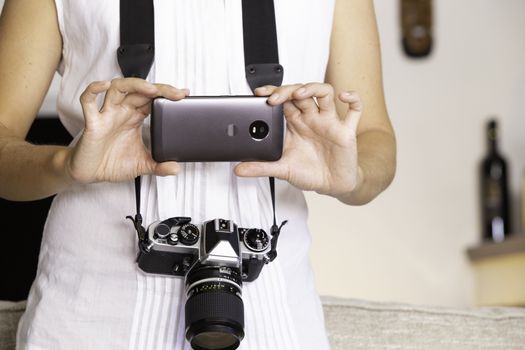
point(88, 292)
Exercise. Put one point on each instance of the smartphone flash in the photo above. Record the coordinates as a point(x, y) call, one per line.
point(232, 130)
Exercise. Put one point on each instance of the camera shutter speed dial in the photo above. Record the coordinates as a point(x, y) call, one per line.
point(188, 234)
point(256, 239)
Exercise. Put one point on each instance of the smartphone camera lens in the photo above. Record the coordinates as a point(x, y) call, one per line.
point(259, 130)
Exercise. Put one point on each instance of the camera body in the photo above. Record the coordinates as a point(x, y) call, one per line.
point(214, 258)
point(175, 245)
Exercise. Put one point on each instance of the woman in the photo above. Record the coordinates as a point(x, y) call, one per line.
point(88, 292)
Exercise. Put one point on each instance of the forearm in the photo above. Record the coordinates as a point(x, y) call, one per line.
point(377, 166)
point(31, 172)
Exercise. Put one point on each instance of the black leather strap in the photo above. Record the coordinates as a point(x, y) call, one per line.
point(261, 55)
point(275, 230)
point(261, 59)
point(137, 38)
point(135, 57)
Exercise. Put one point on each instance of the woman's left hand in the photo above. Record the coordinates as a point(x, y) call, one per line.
point(320, 150)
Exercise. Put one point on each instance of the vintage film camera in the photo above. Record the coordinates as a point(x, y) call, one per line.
point(215, 258)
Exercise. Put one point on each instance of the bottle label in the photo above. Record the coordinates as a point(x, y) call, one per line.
point(493, 195)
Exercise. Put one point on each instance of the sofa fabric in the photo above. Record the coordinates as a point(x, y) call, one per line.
point(10, 313)
point(358, 324)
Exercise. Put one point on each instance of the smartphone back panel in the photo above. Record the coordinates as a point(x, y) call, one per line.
point(212, 129)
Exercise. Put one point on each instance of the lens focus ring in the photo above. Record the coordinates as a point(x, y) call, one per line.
point(218, 305)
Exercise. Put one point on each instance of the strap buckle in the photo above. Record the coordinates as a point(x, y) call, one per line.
point(275, 231)
point(135, 60)
point(261, 74)
point(137, 223)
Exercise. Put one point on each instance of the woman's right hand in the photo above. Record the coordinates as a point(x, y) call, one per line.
point(111, 147)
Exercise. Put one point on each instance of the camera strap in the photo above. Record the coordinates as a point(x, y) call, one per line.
point(137, 51)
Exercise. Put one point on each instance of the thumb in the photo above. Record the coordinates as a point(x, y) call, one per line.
point(166, 168)
point(276, 169)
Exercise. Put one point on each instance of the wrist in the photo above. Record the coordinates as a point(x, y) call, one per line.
point(60, 166)
point(352, 196)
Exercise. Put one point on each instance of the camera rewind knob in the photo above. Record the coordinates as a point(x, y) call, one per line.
point(162, 230)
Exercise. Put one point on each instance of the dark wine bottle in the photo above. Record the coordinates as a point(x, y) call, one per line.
point(494, 190)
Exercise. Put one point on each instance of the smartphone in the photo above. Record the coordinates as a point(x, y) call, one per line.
point(216, 129)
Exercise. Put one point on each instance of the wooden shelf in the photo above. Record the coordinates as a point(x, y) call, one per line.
point(500, 271)
point(514, 244)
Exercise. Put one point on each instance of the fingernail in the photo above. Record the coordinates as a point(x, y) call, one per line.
point(301, 91)
point(346, 94)
point(275, 98)
point(240, 171)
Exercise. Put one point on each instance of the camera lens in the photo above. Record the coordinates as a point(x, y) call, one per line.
point(259, 130)
point(215, 340)
point(214, 308)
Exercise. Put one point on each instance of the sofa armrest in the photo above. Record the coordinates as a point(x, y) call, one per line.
point(10, 313)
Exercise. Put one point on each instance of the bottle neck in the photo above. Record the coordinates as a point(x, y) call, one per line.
point(492, 139)
point(493, 146)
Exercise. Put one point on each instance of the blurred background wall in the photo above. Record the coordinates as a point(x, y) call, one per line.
point(409, 244)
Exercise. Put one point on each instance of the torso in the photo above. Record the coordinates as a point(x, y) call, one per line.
point(88, 292)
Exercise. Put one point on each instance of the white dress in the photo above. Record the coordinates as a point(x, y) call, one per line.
point(88, 292)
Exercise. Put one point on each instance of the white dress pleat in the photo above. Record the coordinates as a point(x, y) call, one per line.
point(89, 293)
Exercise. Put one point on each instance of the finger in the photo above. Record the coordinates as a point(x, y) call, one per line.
point(136, 100)
point(120, 88)
point(291, 112)
point(265, 90)
point(276, 169)
point(355, 108)
point(282, 94)
point(323, 93)
point(289, 109)
point(306, 106)
point(171, 92)
point(166, 169)
point(88, 99)
point(295, 125)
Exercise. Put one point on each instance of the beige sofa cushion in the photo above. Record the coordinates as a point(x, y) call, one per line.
point(358, 324)
point(9, 315)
